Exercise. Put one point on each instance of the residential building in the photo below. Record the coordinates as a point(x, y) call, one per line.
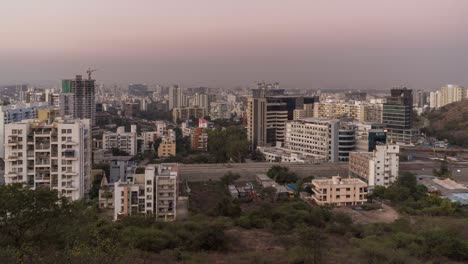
point(378, 168)
point(53, 154)
point(161, 128)
point(299, 114)
point(124, 141)
point(154, 193)
point(15, 113)
point(199, 139)
point(149, 137)
point(398, 116)
point(83, 96)
point(167, 147)
point(339, 191)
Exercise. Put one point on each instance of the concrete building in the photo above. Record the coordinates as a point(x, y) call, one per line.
point(131, 109)
point(338, 191)
point(50, 154)
point(138, 89)
point(299, 114)
point(199, 139)
point(377, 168)
point(149, 137)
point(83, 96)
point(167, 147)
point(15, 113)
point(182, 114)
point(125, 141)
point(154, 193)
point(315, 137)
point(161, 128)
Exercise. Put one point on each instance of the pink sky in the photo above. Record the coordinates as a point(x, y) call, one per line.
point(309, 43)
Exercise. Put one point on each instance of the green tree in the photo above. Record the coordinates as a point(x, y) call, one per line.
point(281, 174)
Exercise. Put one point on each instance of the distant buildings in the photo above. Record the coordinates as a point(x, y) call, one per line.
point(124, 141)
point(154, 193)
point(50, 154)
point(377, 168)
point(339, 191)
point(138, 89)
point(398, 116)
point(447, 95)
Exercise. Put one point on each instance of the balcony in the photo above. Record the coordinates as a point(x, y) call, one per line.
point(43, 146)
point(12, 158)
point(12, 143)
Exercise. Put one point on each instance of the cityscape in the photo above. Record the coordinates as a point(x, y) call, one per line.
point(113, 159)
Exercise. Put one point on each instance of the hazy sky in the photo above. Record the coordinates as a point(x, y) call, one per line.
point(300, 43)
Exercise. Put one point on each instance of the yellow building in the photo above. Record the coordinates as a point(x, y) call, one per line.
point(167, 147)
point(338, 191)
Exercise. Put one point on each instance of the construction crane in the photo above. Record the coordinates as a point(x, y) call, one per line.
point(89, 72)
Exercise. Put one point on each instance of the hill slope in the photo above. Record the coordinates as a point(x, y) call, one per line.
point(450, 122)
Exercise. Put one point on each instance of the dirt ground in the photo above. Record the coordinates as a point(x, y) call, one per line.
point(385, 215)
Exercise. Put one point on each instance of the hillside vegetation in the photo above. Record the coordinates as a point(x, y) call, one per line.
point(450, 122)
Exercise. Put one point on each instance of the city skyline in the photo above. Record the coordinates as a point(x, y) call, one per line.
point(302, 44)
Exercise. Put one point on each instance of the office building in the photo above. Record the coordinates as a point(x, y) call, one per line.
point(369, 135)
point(124, 141)
point(154, 193)
point(268, 110)
point(339, 191)
point(315, 137)
point(82, 104)
point(378, 168)
point(398, 116)
point(50, 154)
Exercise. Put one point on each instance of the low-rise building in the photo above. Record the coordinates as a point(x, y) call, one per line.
point(377, 168)
point(154, 193)
point(124, 141)
point(187, 113)
point(338, 191)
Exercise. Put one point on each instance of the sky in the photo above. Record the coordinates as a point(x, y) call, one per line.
point(308, 44)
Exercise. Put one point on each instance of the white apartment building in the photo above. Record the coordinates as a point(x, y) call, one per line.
point(125, 141)
point(447, 95)
point(148, 139)
point(153, 193)
point(55, 155)
point(161, 128)
point(15, 113)
point(377, 168)
point(338, 191)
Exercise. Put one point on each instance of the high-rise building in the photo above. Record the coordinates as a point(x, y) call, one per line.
point(397, 116)
point(369, 135)
point(15, 113)
point(176, 98)
point(50, 154)
point(154, 193)
point(83, 99)
point(268, 110)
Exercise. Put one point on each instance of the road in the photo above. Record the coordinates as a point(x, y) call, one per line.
point(205, 172)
